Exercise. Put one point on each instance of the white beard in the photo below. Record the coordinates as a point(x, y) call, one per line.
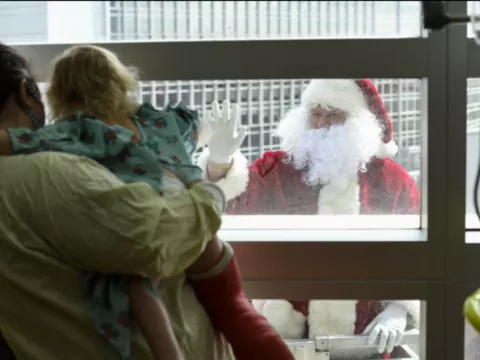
point(331, 155)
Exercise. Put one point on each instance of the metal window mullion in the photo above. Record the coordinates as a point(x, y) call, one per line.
point(455, 247)
point(223, 60)
point(434, 116)
point(456, 143)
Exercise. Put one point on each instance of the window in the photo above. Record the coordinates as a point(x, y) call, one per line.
point(99, 21)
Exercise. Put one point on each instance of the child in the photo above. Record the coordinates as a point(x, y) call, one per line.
point(90, 92)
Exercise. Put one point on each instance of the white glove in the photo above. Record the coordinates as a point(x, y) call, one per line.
point(387, 329)
point(226, 137)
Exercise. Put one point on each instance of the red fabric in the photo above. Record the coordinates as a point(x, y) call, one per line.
point(366, 312)
point(232, 314)
point(377, 107)
point(300, 306)
point(276, 188)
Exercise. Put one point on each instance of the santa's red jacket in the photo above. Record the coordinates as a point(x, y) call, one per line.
point(272, 186)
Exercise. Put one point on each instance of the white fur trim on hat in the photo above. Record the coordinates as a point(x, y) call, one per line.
point(236, 180)
point(340, 94)
point(387, 150)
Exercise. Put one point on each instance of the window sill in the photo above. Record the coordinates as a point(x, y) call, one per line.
point(371, 228)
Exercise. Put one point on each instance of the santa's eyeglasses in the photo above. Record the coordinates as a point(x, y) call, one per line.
point(328, 116)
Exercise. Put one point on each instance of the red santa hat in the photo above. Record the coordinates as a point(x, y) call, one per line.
point(350, 96)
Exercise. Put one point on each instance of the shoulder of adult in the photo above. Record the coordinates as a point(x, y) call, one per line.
point(78, 171)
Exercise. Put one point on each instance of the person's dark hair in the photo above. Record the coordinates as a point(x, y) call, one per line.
point(13, 68)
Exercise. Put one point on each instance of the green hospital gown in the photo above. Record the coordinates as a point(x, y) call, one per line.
point(168, 140)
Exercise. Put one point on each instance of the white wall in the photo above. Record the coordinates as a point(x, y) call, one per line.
point(76, 21)
point(23, 22)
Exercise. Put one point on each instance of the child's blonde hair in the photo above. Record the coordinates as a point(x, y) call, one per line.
point(91, 80)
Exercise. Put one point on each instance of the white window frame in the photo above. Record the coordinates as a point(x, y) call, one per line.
point(441, 268)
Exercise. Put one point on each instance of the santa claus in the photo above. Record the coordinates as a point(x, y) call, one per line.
point(335, 159)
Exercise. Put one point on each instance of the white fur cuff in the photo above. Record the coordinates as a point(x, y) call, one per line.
point(387, 150)
point(236, 180)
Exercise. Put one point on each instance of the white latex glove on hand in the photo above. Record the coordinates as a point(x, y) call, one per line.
point(226, 137)
point(387, 329)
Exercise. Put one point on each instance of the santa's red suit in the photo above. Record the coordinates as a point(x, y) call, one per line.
point(273, 184)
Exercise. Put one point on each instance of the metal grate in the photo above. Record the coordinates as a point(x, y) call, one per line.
point(263, 102)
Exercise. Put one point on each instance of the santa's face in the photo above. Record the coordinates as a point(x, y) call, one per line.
point(322, 117)
point(329, 147)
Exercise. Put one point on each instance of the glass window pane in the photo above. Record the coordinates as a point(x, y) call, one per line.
point(98, 21)
point(473, 8)
point(336, 144)
point(308, 327)
point(473, 148)
point(472, 343)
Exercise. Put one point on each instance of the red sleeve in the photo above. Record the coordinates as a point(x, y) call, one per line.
point(407, 199)
point(263, 189)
